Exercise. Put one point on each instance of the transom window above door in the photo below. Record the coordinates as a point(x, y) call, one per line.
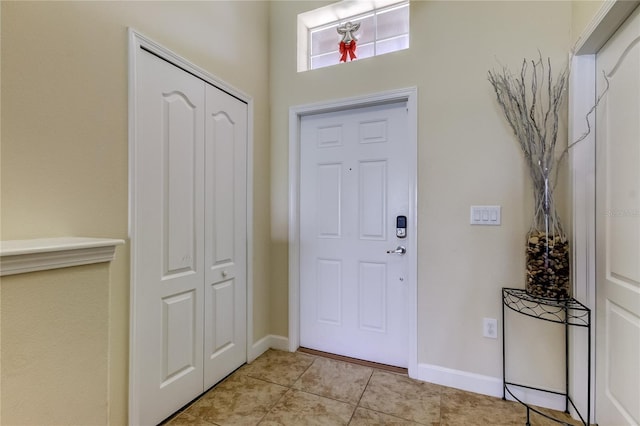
point(383, 28)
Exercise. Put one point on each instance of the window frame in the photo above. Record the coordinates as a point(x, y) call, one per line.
point(375, 12)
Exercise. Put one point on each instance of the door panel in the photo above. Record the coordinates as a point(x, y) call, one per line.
point(178, 336)
point(221, 143)
point(329, 291)
point(179, 162)
point(353, 183)
point(222, 327)
point(372, 296)
point(618, 229)
point(329, 187)
point(168, 247)
point(372, 194)
point(225, 225)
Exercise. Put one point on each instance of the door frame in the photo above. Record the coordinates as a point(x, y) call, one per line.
point(137, 41)
point(408, 95)
point(582, 163)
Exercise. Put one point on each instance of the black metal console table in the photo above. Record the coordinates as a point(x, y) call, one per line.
point(569, 312)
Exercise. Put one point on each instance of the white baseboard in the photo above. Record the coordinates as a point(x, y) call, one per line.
point(486, 385)
point(269, 341)
point(537, 398)
point(471, 382)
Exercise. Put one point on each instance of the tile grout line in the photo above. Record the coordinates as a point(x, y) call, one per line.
point(390, 414)
point(290, 388)
point(306, 369)
point(357, 404)
point(169, 420)
point(365, 388)
point(361, 395)
point(316, 357)
point(273, 406)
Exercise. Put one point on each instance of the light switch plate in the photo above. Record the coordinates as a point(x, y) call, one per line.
point(485, 215)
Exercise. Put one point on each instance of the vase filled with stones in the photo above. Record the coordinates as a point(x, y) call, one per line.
point(547, 251)
point(531, 101)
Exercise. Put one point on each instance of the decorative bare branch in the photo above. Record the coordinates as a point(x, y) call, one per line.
point(586, 132)
point(531, 103)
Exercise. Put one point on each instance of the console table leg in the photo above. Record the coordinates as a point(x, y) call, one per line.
point(504, 368)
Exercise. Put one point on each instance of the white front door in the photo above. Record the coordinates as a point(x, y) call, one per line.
point(354, 183)
point(188, 221)
point(618, 229)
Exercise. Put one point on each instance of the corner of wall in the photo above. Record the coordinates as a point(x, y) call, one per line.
point(271, 341)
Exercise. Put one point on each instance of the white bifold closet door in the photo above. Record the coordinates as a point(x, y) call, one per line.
point(188, 238)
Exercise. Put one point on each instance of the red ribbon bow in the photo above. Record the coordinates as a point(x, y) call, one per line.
point(347, 49)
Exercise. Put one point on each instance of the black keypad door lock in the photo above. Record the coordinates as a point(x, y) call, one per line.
point(401, 226)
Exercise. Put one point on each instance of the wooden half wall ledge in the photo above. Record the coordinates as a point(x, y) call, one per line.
point(22, 256)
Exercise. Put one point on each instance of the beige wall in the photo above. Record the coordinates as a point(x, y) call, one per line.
point(55, 335)
point(64, 134)
point(466, 154)
point(582, 12)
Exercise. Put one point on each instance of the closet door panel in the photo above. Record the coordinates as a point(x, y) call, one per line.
point(168, 244)
point(226, 234)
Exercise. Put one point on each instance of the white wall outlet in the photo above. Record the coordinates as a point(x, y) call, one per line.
point(490, 328)
point(485, 215)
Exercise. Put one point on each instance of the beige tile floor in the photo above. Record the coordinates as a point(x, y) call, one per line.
point(283, 388)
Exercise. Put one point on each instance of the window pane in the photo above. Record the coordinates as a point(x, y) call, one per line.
point(365, 51)
point(394, 22)
point(325, 60)
point(367, 31)
point(393, 44)
point(324, 41)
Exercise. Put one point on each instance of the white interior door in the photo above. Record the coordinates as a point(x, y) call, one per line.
point(354, 182)
point(225, 338)
point(618, 229)
point(189, 230)
point(169, 242)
